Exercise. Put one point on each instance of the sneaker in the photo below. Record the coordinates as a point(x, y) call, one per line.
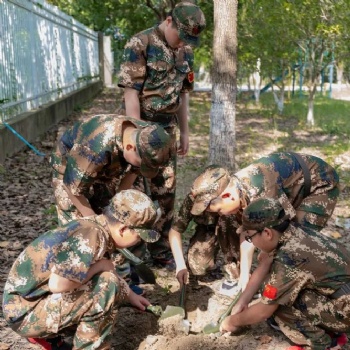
point(56, 343)
point(136, 289)
point(273, 324)
point(229, 288)
point(338, 340)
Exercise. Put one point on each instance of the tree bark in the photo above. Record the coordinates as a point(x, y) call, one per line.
point(222, 142)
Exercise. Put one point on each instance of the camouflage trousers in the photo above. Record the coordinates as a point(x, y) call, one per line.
point(91, 308)
point(205, 245)
point(315, 210)
point(162, 188)
point(312, 317)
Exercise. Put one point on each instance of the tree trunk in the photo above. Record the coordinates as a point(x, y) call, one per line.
point(224, 85)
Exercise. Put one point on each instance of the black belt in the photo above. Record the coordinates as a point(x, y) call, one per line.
point(163, 118)
point(343, 290)
point(210, 227)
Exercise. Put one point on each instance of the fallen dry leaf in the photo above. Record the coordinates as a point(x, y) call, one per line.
point(265, 339)
point(336, 234)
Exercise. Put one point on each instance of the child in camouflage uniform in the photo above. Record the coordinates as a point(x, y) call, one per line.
point(66, 278)
point(212, 232)
point(101, 155)
point(157, 74)
point(306, 186)
point(308, 285)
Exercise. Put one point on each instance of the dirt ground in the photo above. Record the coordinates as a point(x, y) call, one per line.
point(27, 207)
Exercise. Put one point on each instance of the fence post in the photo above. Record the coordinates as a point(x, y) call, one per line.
point(101, 57)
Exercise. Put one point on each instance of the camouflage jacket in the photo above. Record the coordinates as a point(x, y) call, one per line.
point(184, 217)
point(157, 71)
point(280, 176)
point(91, 153)
point(305, 260)
point(68, 251)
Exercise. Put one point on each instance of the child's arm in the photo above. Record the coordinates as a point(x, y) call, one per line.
point(182, 116)
point(132, 103)
point(255, 281)
point(246, 258)
point(127, 181)
point(80, 202)
point(59, 284)
point(254, 314)
point(176, 248)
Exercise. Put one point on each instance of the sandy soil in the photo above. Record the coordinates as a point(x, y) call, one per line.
point(26, 210)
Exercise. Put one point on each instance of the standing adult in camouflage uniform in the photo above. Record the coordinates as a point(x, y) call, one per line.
point(283, 176)
point(66, 278)
point(157, 74)
point(308, 286)
point(101, 155)
point(212, 232)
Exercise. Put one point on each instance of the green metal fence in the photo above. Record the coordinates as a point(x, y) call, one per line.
point(44, 55)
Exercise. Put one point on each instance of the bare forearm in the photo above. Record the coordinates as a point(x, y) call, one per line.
point(256, 280)
point(182, 114)
point(176, 248)
point(81, 203)
point(127, 181)
point(246, 258)
point(254, 314)
point(132, 103)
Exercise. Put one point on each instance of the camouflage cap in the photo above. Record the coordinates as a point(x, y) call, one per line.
point(207, 186)
point(261, 213)
point(137, 211)
point(154, 146)
point(190, 22)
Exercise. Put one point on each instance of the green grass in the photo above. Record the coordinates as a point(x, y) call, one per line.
point(260, 129)
point(331, 116)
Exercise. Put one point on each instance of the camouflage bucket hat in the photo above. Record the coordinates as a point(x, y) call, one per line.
point(207, 186)
point(261, 213)
point(137, 211)
point(154, 146)
point(190, 22)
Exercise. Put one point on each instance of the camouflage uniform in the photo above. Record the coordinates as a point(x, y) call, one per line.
point(280, 176)
point(32, 311)
point(69, 251)
point(212, 231)
point(89, 161)
point(211, 234)
point(161, 74)
point(307, 269)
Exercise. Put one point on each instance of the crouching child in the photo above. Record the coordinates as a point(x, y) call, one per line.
point(65, 277)
point(307, 291)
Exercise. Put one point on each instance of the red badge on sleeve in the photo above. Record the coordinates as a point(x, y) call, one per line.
point(190, 76)
point(270, 292)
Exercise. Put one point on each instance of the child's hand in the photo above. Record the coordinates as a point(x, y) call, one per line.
point(138, 301)
point(239, 307)
point(182, 276)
